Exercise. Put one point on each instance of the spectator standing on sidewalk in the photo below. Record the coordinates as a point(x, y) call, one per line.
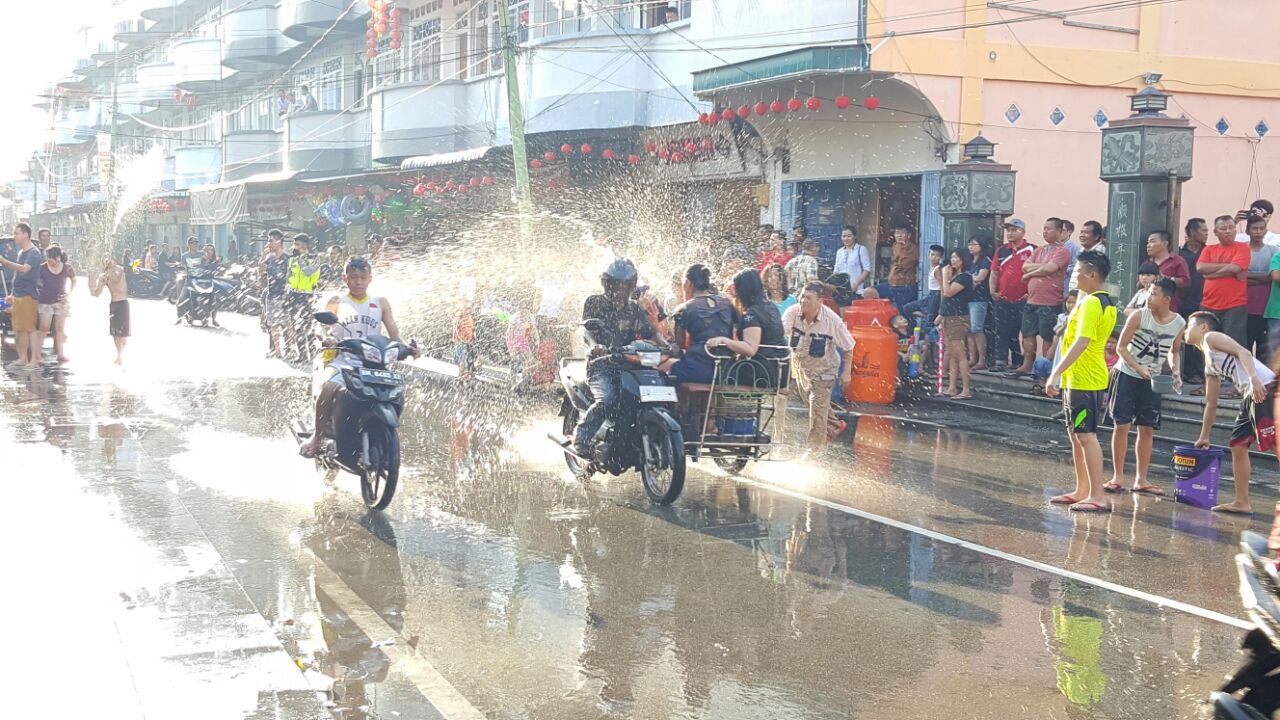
point(1083, 375)
point(1196, 235)
point(1010, 293)
point(1147, 274)
point(953, 319)
point(980, 305)
point(803, 268)
point(925, 310)
point(775, 253)
point(55, 277)
point(1258, 290)
point(1044, 274)
point(1225, 265)
point(1258, 209)
point(1224, 357)
point(25, 310)
point(1069, 229)
point(816, 333)
point(852, 260)
point(1170, 264)
point(1151, 337)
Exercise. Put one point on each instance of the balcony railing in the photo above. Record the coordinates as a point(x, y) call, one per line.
point(251, 35)
point(196, 165)
point(327, 140)
point(156, 83)
point(250, 152)
point(197, 62)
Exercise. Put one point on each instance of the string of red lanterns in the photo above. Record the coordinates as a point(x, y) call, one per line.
point(384, 20)
point(431, 186)
point(778, 107)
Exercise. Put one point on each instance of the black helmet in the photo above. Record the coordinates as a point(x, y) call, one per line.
point(620, 270)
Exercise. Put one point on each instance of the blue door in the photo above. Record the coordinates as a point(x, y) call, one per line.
point(822, 208)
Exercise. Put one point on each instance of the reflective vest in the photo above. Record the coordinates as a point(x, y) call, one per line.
point(298, 282)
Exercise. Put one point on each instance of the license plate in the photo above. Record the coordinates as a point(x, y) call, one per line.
point(657, 393)
point(385, 377)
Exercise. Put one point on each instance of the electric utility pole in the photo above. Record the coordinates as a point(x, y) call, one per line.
point(515, 110)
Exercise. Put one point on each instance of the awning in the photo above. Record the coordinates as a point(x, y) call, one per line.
point(803, 62)
point(425, 161)
point(228, 202)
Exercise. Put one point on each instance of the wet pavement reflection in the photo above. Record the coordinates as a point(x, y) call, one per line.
point(238, 582)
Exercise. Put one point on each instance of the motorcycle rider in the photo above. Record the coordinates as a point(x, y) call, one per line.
point(193, 253)
point(358, 316)
point(622, 321)
point(303, 278)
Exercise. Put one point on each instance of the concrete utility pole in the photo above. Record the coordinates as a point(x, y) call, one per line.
point(515, 110)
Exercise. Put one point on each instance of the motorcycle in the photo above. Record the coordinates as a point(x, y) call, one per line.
point(1257, 680)
point(366, 419)
point(641, 432)
point(245, 298)
point(144, 283)
point(206, 293)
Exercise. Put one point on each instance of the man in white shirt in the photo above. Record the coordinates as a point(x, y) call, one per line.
point(853, 260)
point(1263, 209)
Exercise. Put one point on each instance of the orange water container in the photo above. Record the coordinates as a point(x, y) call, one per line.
point(868, 312)
point(875, 365)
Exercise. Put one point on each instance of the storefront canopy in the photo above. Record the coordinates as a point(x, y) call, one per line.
point(226, 203)
point(427, 161)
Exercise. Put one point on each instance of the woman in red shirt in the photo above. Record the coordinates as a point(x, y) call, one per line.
point(776, 253)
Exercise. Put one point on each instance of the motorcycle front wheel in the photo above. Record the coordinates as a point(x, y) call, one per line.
point(662, 462)
point(570, 426)
point(378, 484)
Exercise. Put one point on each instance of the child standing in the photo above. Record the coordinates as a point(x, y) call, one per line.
point(1224, 357)
point(1147, 274)
point(464, 334)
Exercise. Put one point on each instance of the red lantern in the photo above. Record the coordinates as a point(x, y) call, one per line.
point(550, 156)
point(744, 112)
point(419, 190)
point(371, 34)
point(369, 23)
point(677, 157)
point(451, 185)
point(762, 109)
point(463, 188)
point(373, 54)
point(486, 180)
point(608, 154)
point(395, 13)
point(871, 103)
point(794, 104)
point(633, 159)
point(475, 182)
point(708, 144)
point(379, 5)
point(813, 103)
point(395, 43)
point(432, 185)
point(395, 25)
point(371, 44)
point(177, 95)
point(713, 118)
point(380, 26)
point(728, 114)
point(566, 149)
point(664, 153)
point(440, 190)
point(842, 101)
point(702, 118)
point(585, 149)
point(535, 164)
point(650, 148)
point(690, 148)
point(396, 34)
point(776, 106)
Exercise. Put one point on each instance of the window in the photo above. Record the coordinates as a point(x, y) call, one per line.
point(464, 59)
point(479, 40)
point(329, 94)
point(423, 51)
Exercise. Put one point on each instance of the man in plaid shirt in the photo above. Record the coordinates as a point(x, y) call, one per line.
point(803, 268)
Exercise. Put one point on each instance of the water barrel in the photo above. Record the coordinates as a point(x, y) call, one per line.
point(1196, 473)
point(869, 312)
point(875, 365)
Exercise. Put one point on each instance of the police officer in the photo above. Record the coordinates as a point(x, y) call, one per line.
point(303, 279)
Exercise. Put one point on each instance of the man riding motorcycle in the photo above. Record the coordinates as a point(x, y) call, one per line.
point(622, 322)
point(358, 316)
point(193, 254)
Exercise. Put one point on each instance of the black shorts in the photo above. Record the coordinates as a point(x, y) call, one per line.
point(1133, 402)
point(1256, 421)
point(1039, 320)
point(1084, 410)
point(119, 318)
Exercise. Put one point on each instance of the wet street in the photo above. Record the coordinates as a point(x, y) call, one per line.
point(176, 558)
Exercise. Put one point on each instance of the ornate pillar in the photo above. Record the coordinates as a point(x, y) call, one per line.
point(976, 195)
point(1145, 159)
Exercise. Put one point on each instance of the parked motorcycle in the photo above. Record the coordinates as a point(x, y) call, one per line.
point(1257, 682)
point(144, 283)
point(246, 297)
point(366, 419)
point(642, 432)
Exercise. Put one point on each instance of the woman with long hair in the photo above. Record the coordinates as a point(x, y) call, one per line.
point(980, 269)
point(759, 323)
point(953, 318)
point(704, 316)
point(774, 278)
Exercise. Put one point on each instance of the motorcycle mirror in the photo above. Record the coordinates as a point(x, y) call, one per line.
point(326, 318)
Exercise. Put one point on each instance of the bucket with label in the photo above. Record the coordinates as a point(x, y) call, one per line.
point(1196, 473)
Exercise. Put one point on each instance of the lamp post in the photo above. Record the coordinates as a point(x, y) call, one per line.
point(1145, 159)
point(976, 194)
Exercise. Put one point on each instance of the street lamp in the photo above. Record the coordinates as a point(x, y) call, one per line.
point(1149, 102)
point(975, 195)
point(979, 149)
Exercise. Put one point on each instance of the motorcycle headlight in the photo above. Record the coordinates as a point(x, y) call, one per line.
point(372, 354)
point(391, 355)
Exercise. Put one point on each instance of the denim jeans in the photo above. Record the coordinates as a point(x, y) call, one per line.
point(604, 388)
point(927, 305)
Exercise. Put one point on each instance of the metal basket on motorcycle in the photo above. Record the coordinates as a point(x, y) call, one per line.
point(741, 405)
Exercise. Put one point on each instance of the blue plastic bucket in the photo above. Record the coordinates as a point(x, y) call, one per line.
point(1196, 474)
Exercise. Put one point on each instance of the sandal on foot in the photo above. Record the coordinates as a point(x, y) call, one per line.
point(1090, 507)
point(1153, 490)
point(962, 396)
point(1113, 487)
point(1231, 510)
point(1063, 499)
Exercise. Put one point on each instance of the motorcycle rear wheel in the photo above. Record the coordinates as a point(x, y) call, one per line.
point(731, 465)
point(377, 487)
point(663, 472)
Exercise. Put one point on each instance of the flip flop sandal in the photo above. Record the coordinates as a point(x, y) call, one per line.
point(1231, 511)
point(1063, 499)
point(962, 397)
point(1198, 392)
point(1114, 487)
point(1152, 490)
point(1089, 507)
